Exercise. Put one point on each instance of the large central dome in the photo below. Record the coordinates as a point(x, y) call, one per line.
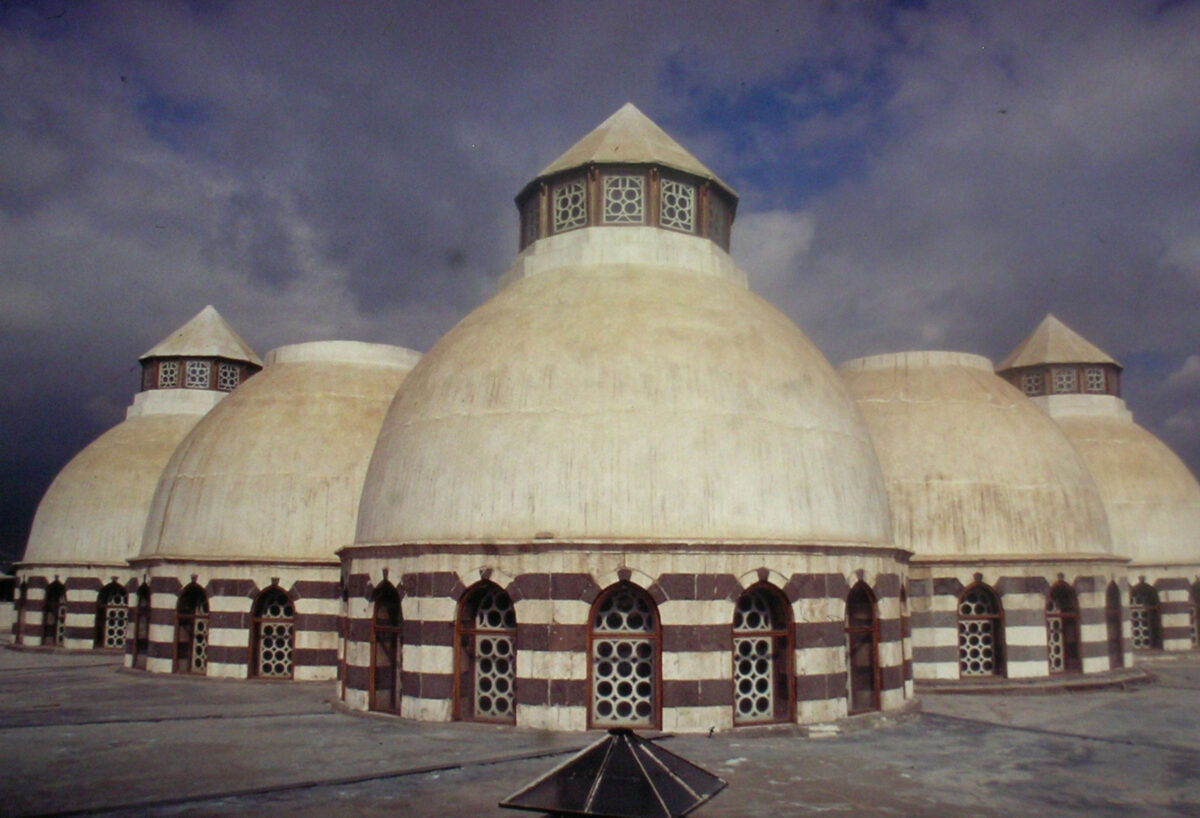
point(624, 386)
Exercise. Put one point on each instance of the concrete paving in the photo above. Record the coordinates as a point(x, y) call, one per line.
point(79, 735)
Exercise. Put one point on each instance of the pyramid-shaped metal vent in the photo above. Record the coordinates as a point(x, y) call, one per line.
point(622, 775)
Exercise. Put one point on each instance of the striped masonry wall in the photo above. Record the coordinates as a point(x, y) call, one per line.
point(1175, 585)
point(935, 591)
point(232, 590)
point(82, 584)
point(695, 609)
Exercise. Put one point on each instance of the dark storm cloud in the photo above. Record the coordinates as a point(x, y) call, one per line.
point(912, 175)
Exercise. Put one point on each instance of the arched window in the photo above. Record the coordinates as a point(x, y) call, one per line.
point(191, 631)
point(862, 646)
point(1112, 621)
point(624, 651)
point(385, 650)
point(1144, 618)
point(980, 633)
point(141, 626)
point(762, 651)
point(1194, 615)
point(274, 635)
point(112, 616)
point(486, 657)
point(1062, 629)
point(54, 615)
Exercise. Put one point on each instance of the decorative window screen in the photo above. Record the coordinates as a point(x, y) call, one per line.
point(623, 660)
point(759, 657)
point(624, 199)
point(495, 657)
point(1065, 381)
point(1031, 383)
point(168, 374)
point(1094, 379)
point(570, 206)
point(227, 377)
point(978, 622)
point(678, 208)
point(197, 375)
point(116, 618)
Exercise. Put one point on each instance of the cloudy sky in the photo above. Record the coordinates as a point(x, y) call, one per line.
point(912, 175)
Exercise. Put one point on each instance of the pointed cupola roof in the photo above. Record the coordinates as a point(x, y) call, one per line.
point(623, 775)
point(631, 137)
point(1053, 342)
point(206, 335)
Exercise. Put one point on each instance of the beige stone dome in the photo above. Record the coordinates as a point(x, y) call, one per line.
point(274, 471)
point(95, 510)
point(624, 386)
point(973, 467)
point(1153, 500)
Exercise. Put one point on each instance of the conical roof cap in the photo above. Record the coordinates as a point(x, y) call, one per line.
point(629, 136)
point(622, 775)
point(207, 334)
point(1053, 342)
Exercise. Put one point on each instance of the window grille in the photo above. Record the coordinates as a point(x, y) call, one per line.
point(1031, 383)
point(197, 375)
point(978, 633)
point(494, 657)
point(760, 650)
point(1094, 378)
point(624, 199)
point(678, 207)
point(570, 206)
point(1144, 618)
point(1065, 381)
point(624, 659)
point(228, 377)
point(168, 374)
point(114, 618)
point(275, 625)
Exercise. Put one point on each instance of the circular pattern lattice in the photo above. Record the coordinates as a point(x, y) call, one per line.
point(200, 646)
point(570, 206)
point(227, 377)
point(1054, 643)
point(622, 681)
point(275, 649)
point(978, 602)
point(752, 614)
point(678, 209)
point(495, 611)
point(623, 199)
point(1141, 623)
point(494, 675)
point(753, 674)
point(116, 621)
point(625, 612)
point(976, 647)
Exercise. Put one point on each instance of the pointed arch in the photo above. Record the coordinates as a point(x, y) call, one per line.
point(485, 672)
point(386, 647)
point(624, 651)
point(274, 631)
point(862, 649)
point(112, 616)
point(980, 632)
point(1112, 623)
point(191, 631)
point(1145, 617)
point(54, 615)
point(763, 687)
point(1062, 629)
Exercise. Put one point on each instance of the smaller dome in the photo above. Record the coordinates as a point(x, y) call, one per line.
point(95, 510)
point(973, 468)
point(275, 471)
point(1153, 500)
